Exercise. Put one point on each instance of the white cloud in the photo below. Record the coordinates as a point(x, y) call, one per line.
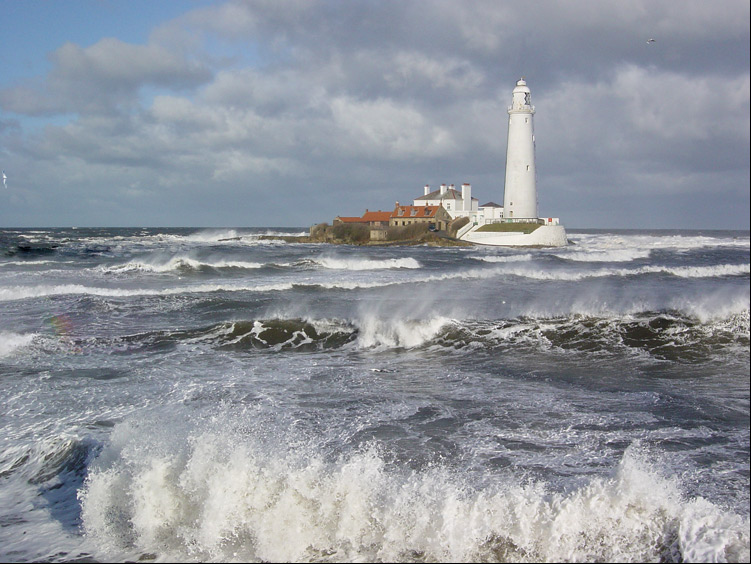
point(673, 106)
point(102, 77)
point(384, 129)
point(644, 118)
point(407, 68)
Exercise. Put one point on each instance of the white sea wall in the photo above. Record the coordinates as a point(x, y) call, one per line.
point(543, 236)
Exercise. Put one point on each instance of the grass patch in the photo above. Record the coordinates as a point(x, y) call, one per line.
point(508, 227)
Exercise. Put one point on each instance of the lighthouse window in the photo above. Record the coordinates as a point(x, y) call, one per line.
point(527, 167)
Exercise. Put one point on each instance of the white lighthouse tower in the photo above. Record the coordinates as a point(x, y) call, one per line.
point(520, 192)
point(517, 224)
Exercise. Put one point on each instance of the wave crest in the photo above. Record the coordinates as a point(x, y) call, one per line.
point(176, 264)
point(335, 263)
point(214, 494)
point(665, 335)
point(11, 342)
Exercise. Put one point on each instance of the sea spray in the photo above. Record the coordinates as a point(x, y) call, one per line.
point(215, 493)
point(11, 342)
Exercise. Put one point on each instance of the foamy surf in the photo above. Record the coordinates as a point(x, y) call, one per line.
point(211, 495)
point(176, 264)
point(11, 342)
point(335, 263)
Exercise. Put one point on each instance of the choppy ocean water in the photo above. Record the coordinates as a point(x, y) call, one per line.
point(206, 395)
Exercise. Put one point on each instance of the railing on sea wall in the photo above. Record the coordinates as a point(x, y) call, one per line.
point(540, 220)
point(466, 228)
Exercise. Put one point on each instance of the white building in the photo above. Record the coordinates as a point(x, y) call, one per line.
point(458, 204)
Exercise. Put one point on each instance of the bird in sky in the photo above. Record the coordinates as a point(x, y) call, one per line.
point(650, 40)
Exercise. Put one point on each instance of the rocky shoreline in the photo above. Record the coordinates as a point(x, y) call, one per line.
point(432, 240)
point(361, 236)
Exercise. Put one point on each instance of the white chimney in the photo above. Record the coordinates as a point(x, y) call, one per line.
point(467, 196)
point(443, 189)
point(427, 189)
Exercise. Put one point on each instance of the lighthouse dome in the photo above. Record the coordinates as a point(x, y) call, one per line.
point(521, 97)
point(521, 86)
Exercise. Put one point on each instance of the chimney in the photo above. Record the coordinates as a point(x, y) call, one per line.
point(467, 196)
point(427, 189)
point(443, 189)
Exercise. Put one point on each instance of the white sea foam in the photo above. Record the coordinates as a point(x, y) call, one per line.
point(11, 342)
point(611, 255)
point(175, 264)
point(235, 236)
point(378, 332)
point(212, 236)
point(610, 241)
point(28, 262)
point(23, 292)
point(216, 495)
point(680, 271)
point(505, 258)
point(350, 263)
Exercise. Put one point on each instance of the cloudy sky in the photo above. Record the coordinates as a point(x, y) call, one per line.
point(288, 113)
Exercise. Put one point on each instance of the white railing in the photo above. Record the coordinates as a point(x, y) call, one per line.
point(540, 220)
point(465, 229)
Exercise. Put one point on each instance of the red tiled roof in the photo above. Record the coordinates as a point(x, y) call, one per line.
point(419, 211)
point(376, 216)
point(367, 217)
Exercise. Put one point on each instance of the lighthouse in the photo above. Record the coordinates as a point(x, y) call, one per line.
point(516, 224)
point(520, 192)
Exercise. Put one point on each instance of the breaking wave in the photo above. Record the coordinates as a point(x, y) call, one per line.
point(9, 293)
point(213, 490)
point(24, 292)
point(11, 342)
point(507, 258)
point(177, 264)
point(665, 335)
point(613, 255)
point(365, 264)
